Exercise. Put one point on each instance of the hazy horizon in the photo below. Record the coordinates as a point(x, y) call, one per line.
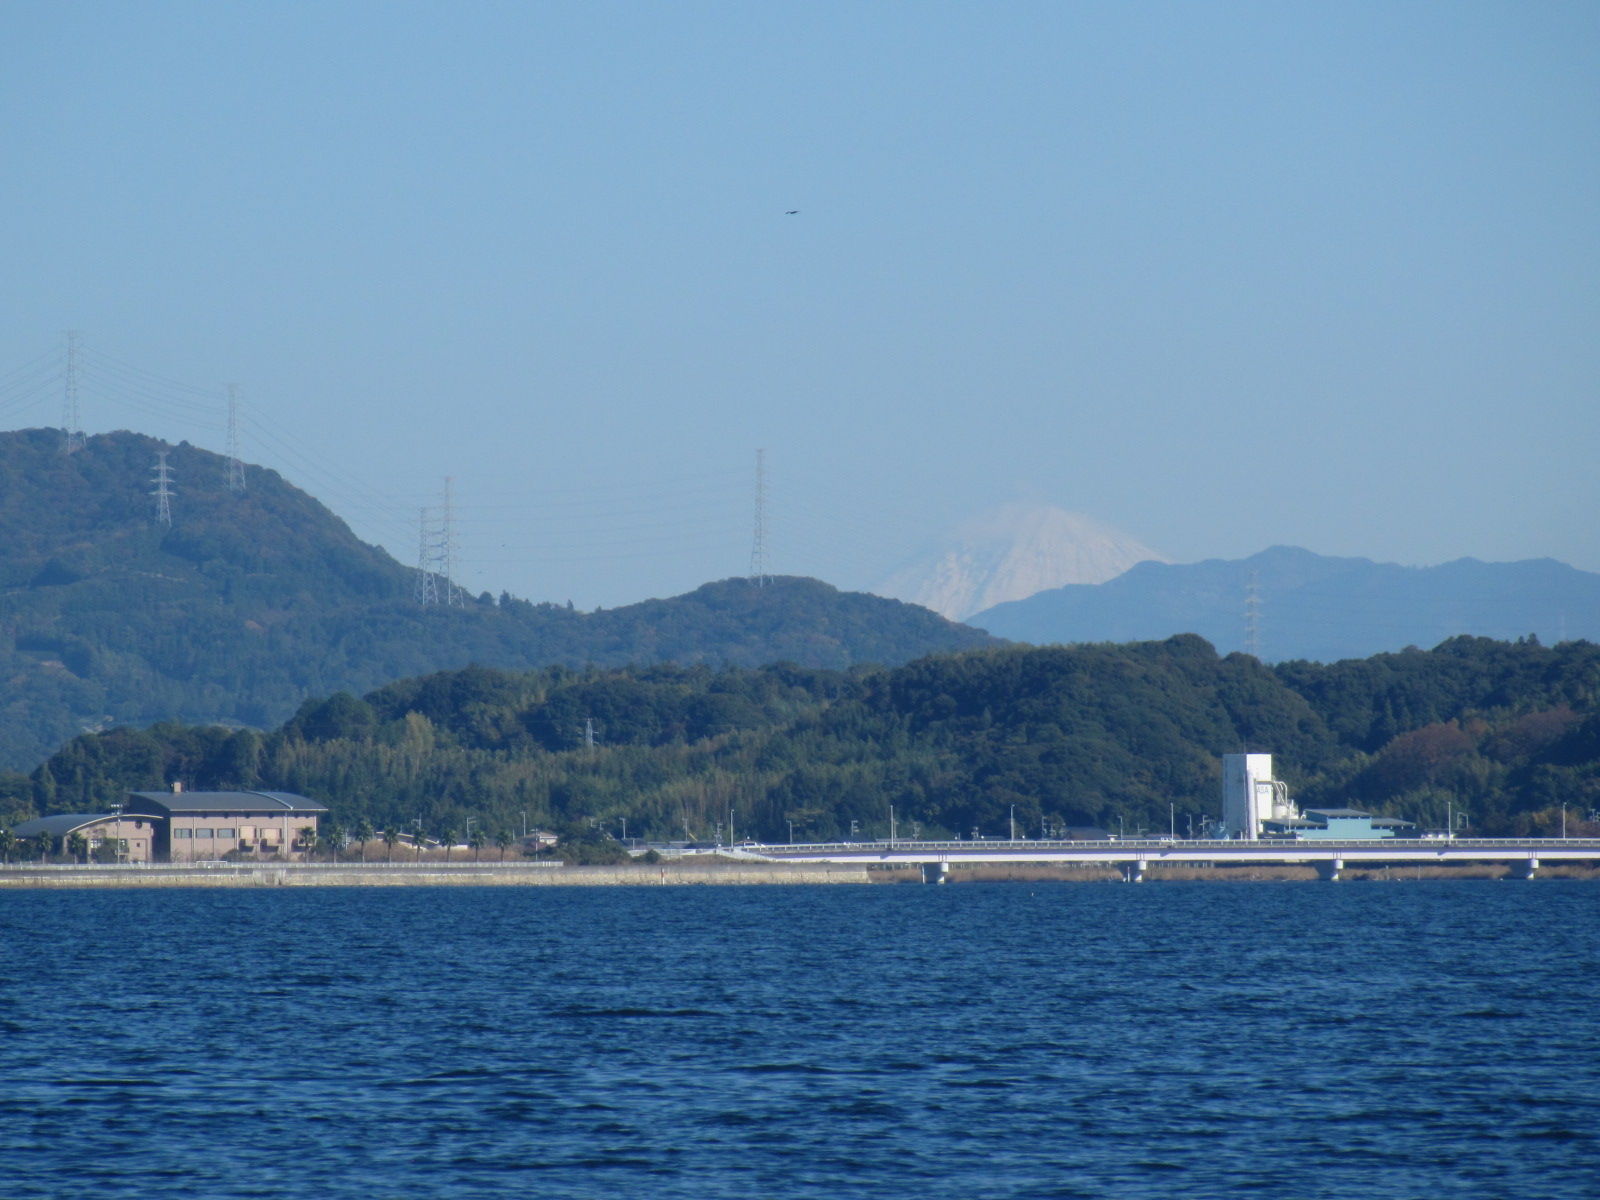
point(1220, 277)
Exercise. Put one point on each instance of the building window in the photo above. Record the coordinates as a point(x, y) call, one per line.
point(183, 833)
point(227, 834)
point(202, 833)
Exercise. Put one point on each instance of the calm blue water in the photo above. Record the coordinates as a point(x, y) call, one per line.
point(1293, 1040)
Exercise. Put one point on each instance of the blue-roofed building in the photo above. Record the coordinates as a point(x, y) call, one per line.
point(1345, 824)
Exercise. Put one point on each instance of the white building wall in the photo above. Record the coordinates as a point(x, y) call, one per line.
point(1247, 794)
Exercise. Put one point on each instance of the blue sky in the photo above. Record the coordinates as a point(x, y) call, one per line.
point(1222, 275)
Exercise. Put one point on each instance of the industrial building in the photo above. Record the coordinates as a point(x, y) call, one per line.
point(1251, 796)
point(1257, 806)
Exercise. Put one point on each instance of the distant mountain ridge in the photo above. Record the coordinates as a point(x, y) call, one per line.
point(1313, 607)
point(1012, 552)
point(249, 603)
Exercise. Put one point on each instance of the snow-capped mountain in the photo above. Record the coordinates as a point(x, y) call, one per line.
point(1010, 553)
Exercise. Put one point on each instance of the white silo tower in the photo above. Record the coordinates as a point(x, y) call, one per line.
point(1250, 795)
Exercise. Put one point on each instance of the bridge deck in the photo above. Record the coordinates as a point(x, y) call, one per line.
point(1159, 850)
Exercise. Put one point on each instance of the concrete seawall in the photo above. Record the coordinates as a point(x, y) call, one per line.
point(693, 874)
point(461, 875)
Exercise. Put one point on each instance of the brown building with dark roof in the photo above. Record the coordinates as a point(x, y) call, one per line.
point(200, 826)
point(108, 837)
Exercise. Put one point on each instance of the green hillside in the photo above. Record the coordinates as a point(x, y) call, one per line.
point(248, 604)
point(1118, 736)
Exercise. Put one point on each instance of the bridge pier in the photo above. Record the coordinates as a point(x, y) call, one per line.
point(1133, 872)
point(1524, 869)
point(935, 872)
point(1328, 869)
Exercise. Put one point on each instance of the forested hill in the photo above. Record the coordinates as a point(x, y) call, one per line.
point(1502, 733)
point(249, 603)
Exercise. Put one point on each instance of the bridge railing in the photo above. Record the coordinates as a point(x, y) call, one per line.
point(1120, 845)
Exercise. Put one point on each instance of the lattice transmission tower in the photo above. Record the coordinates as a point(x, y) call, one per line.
point(1252, 615)
point(427, 581)
point(436, 555)
point(163, 489)
point(235, 466)
point(72, 434)
point(758, 541)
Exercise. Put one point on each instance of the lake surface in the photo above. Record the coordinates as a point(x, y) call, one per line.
point(1424, 1039)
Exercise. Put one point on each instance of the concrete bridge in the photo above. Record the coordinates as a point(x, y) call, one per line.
point(1329, 857)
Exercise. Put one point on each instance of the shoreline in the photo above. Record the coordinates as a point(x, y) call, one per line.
point(256, 875)
point(701, 874)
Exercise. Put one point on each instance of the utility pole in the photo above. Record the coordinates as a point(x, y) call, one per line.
point(235, 467)
point(73, 438)
point(163, 490)
point(758, 542)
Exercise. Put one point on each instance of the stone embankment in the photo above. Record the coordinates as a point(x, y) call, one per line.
point(428, 875)
point(692, 872)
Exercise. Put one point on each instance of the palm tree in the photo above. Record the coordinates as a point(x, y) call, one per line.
point(308, 839)
point(77, 846)
point(363, 834)
point(503, 839)
point(8, 843)
point(476, 839)
point(391, 835)
point(448, 837)
point(332, 840)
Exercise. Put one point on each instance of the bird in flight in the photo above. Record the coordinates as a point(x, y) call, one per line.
point(793, 212)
